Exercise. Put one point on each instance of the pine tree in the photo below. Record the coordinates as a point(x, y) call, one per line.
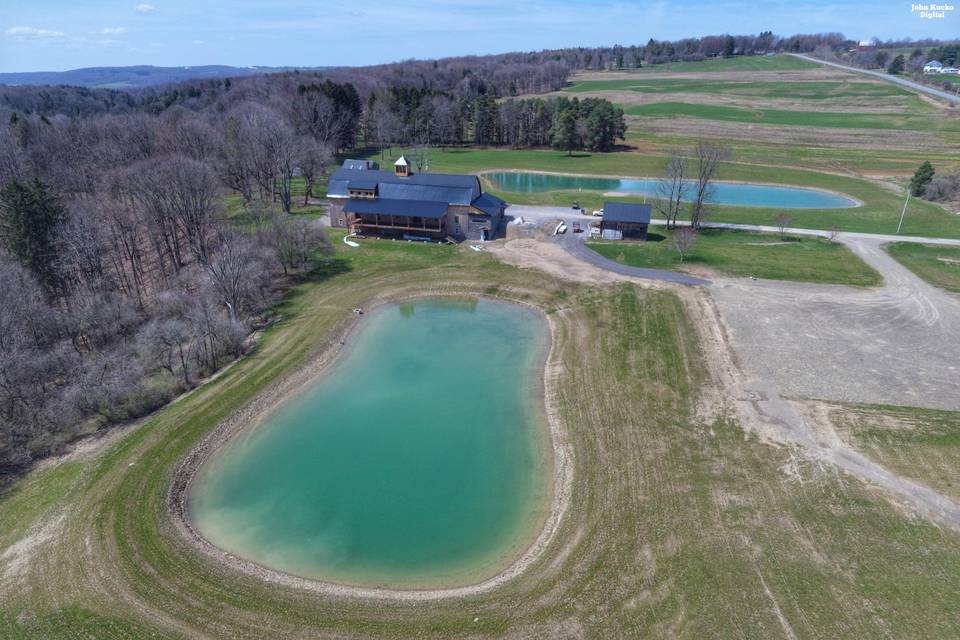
point(563, 135)
point(29, 217)
point(920, 180)
point(897, 65)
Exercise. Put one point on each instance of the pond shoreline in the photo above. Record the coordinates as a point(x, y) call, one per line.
point(251, 415)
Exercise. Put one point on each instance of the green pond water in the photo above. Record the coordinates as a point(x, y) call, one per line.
point(419, 458)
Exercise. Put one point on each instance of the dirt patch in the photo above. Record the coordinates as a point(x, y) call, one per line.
point(551, 258)
point(17, 557)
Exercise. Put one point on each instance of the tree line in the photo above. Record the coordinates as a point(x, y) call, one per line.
point(420, 118)
point(123, 280)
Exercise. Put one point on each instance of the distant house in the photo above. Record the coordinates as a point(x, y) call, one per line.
point(404, 204)
point(950, 70)
point(934, 66)
point(624, 220)
point(866, 45)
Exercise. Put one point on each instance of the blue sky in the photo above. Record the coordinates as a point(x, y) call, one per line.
point(53, 35)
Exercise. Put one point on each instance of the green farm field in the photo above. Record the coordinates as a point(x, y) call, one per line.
point(680, 523)
point(744, 254)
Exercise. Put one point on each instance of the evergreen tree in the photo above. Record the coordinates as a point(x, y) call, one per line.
point(563, 135)
point(729, 45)
point(920, 180)
point(29, 217)
point(896, 65)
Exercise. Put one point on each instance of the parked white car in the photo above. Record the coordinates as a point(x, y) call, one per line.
point(598, 213)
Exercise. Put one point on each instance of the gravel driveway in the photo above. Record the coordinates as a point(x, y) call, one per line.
point(898, 344)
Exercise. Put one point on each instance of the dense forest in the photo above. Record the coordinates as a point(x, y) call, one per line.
point(123, 282)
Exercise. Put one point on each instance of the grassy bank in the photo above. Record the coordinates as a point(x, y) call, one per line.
point(940, 266)
point(677, 527)
point(742, 254)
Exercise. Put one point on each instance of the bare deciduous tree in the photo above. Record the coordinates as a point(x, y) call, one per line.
point(782, 221)
point(684, 239)
point(673, 189)
point(708, 157)
point(239, 274)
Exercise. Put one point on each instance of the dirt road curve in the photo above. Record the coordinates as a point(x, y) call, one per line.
point(949, 97)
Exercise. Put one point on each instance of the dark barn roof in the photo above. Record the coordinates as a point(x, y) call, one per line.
point(489, 203)
point(448, 189)
point(360, 165)
point(390, 207)
point(626, 212)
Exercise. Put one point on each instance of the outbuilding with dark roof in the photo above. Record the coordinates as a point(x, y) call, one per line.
point(625, 220)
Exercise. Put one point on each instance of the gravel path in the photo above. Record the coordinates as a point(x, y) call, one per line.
point(910, 84)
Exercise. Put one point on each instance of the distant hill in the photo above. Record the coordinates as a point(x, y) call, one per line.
point(131, 77)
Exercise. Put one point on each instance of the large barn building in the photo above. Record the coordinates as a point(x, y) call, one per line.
point(404, 204)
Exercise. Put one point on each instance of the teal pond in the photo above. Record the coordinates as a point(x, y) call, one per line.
point(418, 459)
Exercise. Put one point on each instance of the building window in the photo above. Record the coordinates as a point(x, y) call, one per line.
point(340, 221)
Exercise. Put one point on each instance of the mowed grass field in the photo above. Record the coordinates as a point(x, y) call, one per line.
point(739, 63)
point(679, 525)
point(799, 90)
point(744, 254)
point(918, 121)
point(938, 265)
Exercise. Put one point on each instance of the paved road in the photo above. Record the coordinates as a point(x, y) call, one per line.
point(574, 244)
point(910, 84)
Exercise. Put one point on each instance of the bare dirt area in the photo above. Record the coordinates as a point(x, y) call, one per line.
point(893, 345)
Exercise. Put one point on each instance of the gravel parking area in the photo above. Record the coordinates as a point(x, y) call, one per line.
point(897, 344)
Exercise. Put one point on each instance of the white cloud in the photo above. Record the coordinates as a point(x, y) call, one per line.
point(109, 42)
point(30, 33)
point(110, 31)
point(145, 8)
point(197, 42)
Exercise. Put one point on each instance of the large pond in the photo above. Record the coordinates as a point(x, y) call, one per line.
point(418, 460)
point(726, 193)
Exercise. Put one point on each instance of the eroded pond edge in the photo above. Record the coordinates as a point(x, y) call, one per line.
point(256, 409)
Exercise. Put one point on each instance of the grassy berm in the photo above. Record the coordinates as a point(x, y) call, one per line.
point(678, 527)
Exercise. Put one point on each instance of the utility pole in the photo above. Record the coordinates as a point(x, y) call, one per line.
point(904, 212)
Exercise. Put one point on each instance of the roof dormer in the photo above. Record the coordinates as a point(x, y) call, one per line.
point(401, 168)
